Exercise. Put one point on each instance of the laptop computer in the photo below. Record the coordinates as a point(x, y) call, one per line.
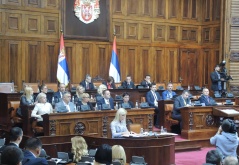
point(64, 157)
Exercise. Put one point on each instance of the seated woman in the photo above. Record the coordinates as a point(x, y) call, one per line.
point(85, 101)
point(79, 148)
point(118, 153)
point(100, 90)
point(126, 97)
point(110, 83)
point(27, 97)
point(118, 125)
point(103, 155)
point(79, 91)
point(41, 108)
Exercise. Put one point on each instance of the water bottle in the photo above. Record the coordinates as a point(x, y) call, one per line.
point(91, 97)
point(141, 131)
point(136, 105)
point(73, 99)
point(52, 101)
point(117, 106)
point(189, 87)
point(162, 130)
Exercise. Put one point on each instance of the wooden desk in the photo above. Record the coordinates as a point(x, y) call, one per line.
point(92, 123)
point(156, 151)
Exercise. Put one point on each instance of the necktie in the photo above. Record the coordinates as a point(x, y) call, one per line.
point(87, 85)
point(155, 96)
point(208, 100)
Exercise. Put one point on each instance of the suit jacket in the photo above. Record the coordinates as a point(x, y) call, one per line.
point(125, 85)
point(145, 84)
point(24, 101)
point(10, 144)
point(130, 103)
point(165, 94)
point(91, 85)
point(102, 101)
point(61, 106)
point(112, 85)
point(214, 78)
point(211, 101)
point(30, 159)
point(150, 98)
point(57, 97)
point(89, 104)
point(178, 103)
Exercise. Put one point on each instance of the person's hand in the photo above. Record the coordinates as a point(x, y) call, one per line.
point(219, 130)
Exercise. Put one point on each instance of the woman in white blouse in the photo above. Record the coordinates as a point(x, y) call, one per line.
point(41, 108)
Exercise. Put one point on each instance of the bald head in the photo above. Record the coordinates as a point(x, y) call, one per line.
point(230, 160)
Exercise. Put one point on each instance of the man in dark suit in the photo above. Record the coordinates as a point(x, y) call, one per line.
point(152, 98)
point(87, 83)
point(128, 83)
point(16, 134)
point(33, 148)
point(169, 93)
point(65, 105)
point(106, 99)
point(146, 83)
point(206, 99)
point(58, 95)
point(11, 156)
point(179, 102)
point(216, 80)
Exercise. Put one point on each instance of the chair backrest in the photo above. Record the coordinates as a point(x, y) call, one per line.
point(116, 162)
point(161, 86)
point(52, 87)
point(6, 87)
point(84, 108)
point(87, 159)
point(126, 105)
point(168, 107)
point(106, 107)
point(175, 85)
point(144, 105)
point(34, 86)
point(118, 97)
point(14, 105)
point(135, 128)
point(197, 87)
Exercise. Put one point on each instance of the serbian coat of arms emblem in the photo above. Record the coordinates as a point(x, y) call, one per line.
point(87, 10)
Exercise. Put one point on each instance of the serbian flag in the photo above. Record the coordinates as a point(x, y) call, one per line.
point(63, 75)
point(114, 64)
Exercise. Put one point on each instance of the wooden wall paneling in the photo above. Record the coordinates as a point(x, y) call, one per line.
point(124, 61)
point(33, 62)
point(71, 60)
point(186, 8)
point(173, 64)
point(159, 9)
point(147, 7)
point(145, 32)
point(5, 62)
point(51, 51)
point(194, 9)
point(1, 57)
point(146, 61)
point(1, 21)
point(172, 33)
point(117, 6)
point(174, 9)
point(51, 25)
point(133, 65)
point(206, 34)
point(216, 34)
point(32, 24)
point(33, 3)
point(207, 10)
point(12, 2)
point(13, 23)
point(52, 4)
point(159, 32)
point(133, 7)
point(189, 34)
point(216, 10)
point(119, 28)
point(132, 30)
point(103, 54)
point(207, 67)
point(161, 65)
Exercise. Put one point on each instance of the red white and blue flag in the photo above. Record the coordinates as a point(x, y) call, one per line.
point(63, 75)
point(114, 64)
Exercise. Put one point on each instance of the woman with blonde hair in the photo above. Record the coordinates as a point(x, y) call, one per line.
point(118, 125)
point(27, 97)
point(79, 92)
point(85, 101)
point(100, 90)
point(118, 153)
point(79, 148)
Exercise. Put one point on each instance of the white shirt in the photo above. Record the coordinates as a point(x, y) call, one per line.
point(67, 106)
point(41, 109)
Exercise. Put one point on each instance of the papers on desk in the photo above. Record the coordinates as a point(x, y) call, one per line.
point(166, 133)
point(149, 134)
point(56, 160)
point(230, 111)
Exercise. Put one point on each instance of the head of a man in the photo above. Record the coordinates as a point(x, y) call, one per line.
point(170, 87)
point(153, 87)
point(44, 89)
point(106, 94)
point(66, 97)
point(214, 157)
point(217, 68)
point(205, 92)
point(62, 87)
point(147, 78)
point(88, 78)
point(230, 160)
point(34, 145)
point(12, 155)
point(185, 94)
point(16, 134)
point(128, 79)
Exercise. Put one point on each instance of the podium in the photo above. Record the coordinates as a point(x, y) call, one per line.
point(225, 111)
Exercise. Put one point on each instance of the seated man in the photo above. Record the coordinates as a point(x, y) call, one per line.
point(65, 105)
point(128, 83)
point(230, 160)
point(106, 99)
point(58, 95)
point(11, 156)
point(206, 99)
point(179, 102)
point(146, 83)
point(169, 93)
point(213, 157)
point(87, 83)
point(16, 134)
point(32, 151)
point(152, 98)
point(226, 140)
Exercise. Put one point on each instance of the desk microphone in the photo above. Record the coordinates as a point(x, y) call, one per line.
point(56, 149)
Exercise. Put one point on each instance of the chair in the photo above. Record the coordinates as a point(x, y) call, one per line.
point(13, 107)
point(229, 95)
point(197, 103)
point(126, 105)
point(7, 87)
point(37, 130)
point(228, 102)
point(106, 107)
point(179, 88)
point(87, 159)
point(161, 86)
point(118, 97)
point(135, 128)
point(144, 105)
point(116, 162)
point(168, 108)
point(217, 95)
point(175, 85)
point(34, 86)
point(84, 108)
point(137, 160)
point(52, 87)
point(197, 88)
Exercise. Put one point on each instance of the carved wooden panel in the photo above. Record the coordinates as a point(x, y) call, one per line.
point(1, 21)
point(194, 9)
point(206, 34)
point(104, 57)
point(216, 10)
point(173, 64)
point(159, 32)
point(52, 4)
point(12, 2)
point(174, 8)
point(162, 67)
point(146, 59)
point(13, 23)
point(117, 6)
point(132, 60)
point(94, 127)
point(216, 34)
point(206, 56)
point(63, 128)
point(160, 8)
point(132, 30)
point(186, 8)
point(207, 10)
point(34, 3)
point(119, 29)
point(145, 32)
point(51, 25)
point(1, 62)
point(33, 24)
point(147, 7)
point(133, 7)
point(189, 34)
point(172, 33)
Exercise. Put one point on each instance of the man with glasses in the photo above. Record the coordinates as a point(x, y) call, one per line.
point(65, 105)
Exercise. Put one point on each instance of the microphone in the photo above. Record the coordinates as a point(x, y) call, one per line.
point(56, 150)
